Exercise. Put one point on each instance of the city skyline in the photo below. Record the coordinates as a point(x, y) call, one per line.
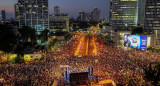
point(72, 7)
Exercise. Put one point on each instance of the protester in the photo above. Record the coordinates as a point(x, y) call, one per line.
point(125, 67)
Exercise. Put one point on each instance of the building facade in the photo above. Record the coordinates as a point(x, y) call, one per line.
point(59, 22)
point(124, 13)
point(3, 15)
point(32, 13)
point(83, 16)
point(152, 19)
point(110, 11)
point(56, 10)
point(141, 12)
point(95, 15)
point(16, 11)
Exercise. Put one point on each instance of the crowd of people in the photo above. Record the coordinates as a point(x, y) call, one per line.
point(26, 74)
point(124, 67)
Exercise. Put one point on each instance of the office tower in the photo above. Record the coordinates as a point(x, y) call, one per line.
point(59, 22)
point(152, 19)
point(16, 10)
point(83, 16)
point(87, 16)
point(33, 13)
point(110, 11)
point(124, 13)
point(3, 15)
point(95, 15)
point(152, 14)
point(141, 12)
point(56, 10)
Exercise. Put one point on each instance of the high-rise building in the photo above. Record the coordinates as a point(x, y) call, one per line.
point(33, 13)
point(16, 10)
point(59, 22)
point(124, 13)
point(87, 17)
point(95, 15)
point(83, 16)
point(152, 19)
point(56, 10)
point(141, 12)
point(110, 11)
point(3, 15)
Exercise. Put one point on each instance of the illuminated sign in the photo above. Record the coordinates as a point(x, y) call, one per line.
point(135, 41)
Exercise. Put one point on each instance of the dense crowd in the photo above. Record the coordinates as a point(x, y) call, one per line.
point(27, 74)
point(124, 67)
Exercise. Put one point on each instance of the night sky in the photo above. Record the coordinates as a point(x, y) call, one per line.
point(72, 7)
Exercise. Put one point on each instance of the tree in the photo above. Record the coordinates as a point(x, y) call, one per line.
point(52, 43)
point(27, 33)
point(83, 25)
point(68, 36)
point(8, 40)
point(44, 35)
point(137, 30)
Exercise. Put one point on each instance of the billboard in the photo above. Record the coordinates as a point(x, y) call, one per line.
point(135, 41)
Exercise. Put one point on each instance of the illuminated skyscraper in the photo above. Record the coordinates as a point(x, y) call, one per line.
point(16, 10)
point(152, 19)
point(56, 10)
point(59, 22)
point(33, 13)
point(95, 15)
point(141, 12)
point(3, 15)
point(124, 13)
point(152, 14)
point(110, 11)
